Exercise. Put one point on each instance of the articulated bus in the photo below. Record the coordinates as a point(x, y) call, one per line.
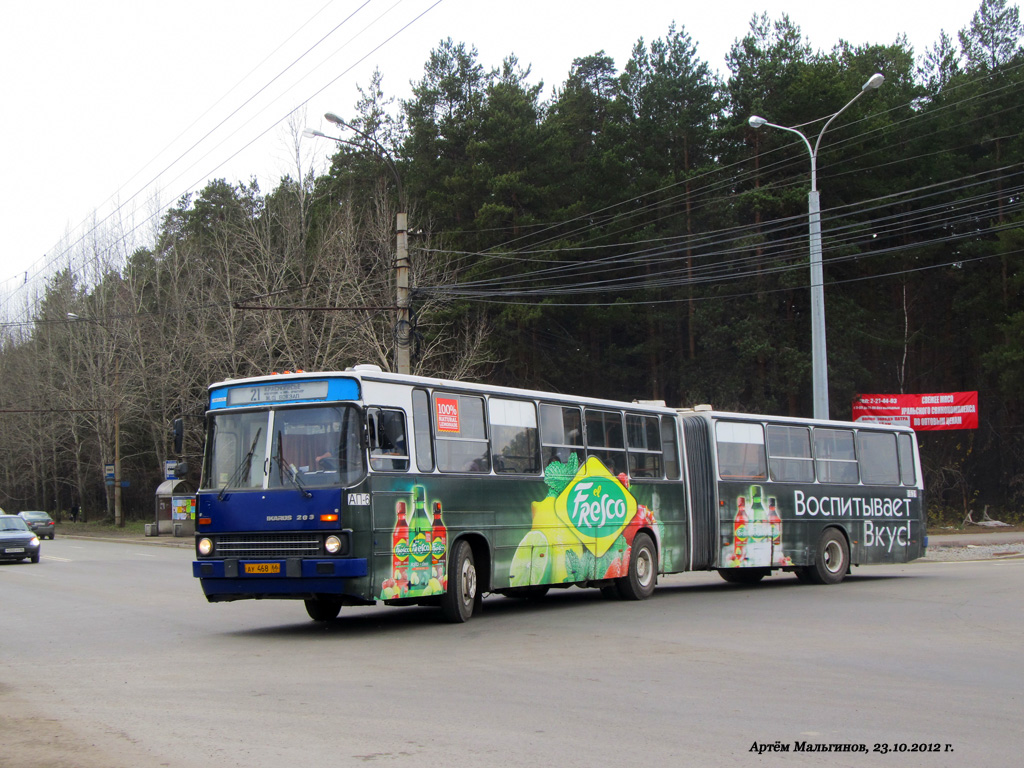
point(353, 487)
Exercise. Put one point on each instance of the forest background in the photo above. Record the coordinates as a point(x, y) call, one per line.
point(629, 237)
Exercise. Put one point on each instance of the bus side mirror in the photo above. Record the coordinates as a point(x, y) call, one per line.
point(179, 435)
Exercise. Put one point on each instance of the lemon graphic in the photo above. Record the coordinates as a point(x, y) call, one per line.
point(560, 538)
point(531, 564)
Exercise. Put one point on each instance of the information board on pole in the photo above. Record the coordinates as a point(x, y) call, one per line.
point(937, 411)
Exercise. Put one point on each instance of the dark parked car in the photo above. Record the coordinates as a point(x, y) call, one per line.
point(40, 522)
point(17, 540)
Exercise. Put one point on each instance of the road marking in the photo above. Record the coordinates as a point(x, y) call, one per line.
point(58, 559)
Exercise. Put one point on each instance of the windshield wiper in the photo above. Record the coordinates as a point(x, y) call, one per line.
point(243, 468)
point(284, 468)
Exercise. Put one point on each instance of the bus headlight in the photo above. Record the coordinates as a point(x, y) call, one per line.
point(205, 546)
point(332, 545)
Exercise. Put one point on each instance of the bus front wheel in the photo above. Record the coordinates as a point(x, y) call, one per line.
point(323, 608)
point(832, 559)
point(639, 582)
point(463, 595)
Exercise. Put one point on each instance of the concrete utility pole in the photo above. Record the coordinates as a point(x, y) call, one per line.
point(403, 321)
point(403, 329)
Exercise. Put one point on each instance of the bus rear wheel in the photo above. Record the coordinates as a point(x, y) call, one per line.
point(323, 608)
point(832, 559)
point(463, 596)
point(743, 575)
point(639, 583)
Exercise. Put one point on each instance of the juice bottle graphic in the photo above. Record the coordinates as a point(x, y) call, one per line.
point(775, 525)
point(419, 541)
point(400, 549)
point(740, 533)
point(759, 548)
point(439, 547)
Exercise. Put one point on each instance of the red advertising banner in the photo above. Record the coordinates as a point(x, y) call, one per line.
point(944, 410)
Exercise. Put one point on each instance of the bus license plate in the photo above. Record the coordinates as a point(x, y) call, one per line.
point(262, 568)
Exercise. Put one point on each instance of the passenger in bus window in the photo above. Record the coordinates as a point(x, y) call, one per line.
point(388, 440)
point(326, 461)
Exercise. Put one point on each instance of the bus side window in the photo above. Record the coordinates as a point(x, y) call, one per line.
point(561, 434)
point(789, 454)
point(908, 471)
point(835, 459)
point(668, 446)
point(513, 436)
point(385, 430)
point(740, 451)
point(604, 439)
point(421, 430)
point(643, 438)
point(460, 433)
point(879, 464)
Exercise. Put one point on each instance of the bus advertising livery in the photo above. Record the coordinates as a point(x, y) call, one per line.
point(353, 487)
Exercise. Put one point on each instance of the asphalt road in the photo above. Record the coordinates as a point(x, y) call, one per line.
point(110, 656)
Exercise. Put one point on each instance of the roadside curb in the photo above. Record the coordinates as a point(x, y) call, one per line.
point(158, 541)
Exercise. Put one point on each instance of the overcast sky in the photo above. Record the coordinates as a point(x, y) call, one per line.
point(134, 103)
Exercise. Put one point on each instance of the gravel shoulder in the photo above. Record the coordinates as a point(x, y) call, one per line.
point(975, 543)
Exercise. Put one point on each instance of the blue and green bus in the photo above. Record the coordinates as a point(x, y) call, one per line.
point(359, 486)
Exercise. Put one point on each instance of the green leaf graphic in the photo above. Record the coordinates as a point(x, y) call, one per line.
point(558, 475)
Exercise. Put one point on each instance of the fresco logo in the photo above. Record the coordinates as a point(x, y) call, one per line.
point(596, 506)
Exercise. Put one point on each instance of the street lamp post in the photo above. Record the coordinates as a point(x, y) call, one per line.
point(403, 362)
point(819, 356)
point(118, 508)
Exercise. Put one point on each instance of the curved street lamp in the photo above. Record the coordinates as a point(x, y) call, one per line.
point(819, 357)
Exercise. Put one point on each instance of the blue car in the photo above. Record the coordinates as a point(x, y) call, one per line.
point(17, 540)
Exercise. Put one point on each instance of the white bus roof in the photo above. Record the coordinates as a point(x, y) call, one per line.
point(368, 373)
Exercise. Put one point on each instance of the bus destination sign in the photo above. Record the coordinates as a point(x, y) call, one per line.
point(283, 392)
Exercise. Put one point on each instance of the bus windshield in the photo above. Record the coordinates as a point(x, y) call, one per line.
point(298, 447)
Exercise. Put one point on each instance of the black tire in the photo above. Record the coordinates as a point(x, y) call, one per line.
point(463, 596)
point(832, 559)
point(323, 608)
point(642, 578)
point(743, 575)
point(803, 574)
